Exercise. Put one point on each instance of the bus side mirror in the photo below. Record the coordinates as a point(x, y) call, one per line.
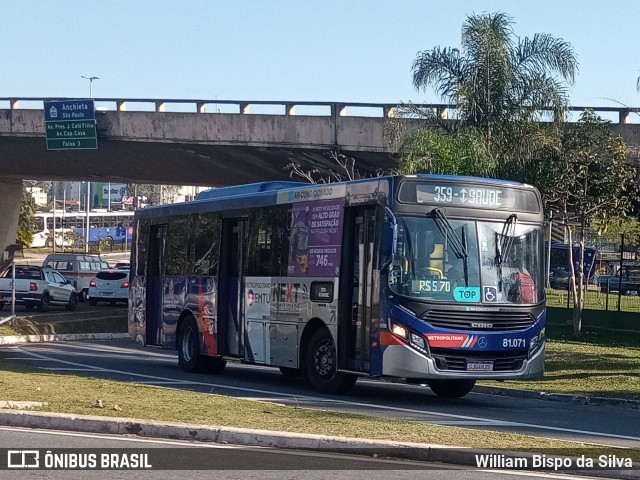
point(389, 238)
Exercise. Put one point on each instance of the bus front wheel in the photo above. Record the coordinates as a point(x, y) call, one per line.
point(189, 358)
point(321, 366)
point(451, 388)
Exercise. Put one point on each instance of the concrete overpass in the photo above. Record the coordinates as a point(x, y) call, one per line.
point(205, 142)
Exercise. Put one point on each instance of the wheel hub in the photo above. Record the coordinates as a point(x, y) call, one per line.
point(323, 359)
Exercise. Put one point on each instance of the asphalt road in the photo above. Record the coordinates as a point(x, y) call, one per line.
point(199, 461)
point(125, 360)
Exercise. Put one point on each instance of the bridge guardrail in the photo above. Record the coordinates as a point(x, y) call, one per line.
point(621, 115)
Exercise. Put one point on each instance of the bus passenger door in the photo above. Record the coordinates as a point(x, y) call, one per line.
point(155, 270)
point(233, 251)
point(359, 291)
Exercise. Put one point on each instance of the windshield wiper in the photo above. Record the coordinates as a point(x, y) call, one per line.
point(458, 245)
point(503, 245)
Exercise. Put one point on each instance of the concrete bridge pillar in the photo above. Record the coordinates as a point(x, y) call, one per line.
point(10, 200)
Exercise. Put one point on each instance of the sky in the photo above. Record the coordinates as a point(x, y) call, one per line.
point(325, 51)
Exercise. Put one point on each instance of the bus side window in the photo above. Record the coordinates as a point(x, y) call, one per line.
point(204, 242)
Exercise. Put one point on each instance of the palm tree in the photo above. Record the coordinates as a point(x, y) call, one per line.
point(499, 83)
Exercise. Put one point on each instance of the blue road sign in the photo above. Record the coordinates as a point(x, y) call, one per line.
point(57, 110)
point(70, 124)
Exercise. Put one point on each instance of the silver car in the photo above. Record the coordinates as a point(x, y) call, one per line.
point(37, 287)
point(110, 285)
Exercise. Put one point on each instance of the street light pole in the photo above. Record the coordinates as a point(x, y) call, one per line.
point(91, 78)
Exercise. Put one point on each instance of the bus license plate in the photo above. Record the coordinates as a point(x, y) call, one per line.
point(480, 366)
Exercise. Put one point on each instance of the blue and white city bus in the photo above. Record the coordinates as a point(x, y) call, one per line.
point(429, 278)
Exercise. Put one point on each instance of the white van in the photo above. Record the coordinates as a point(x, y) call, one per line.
point(78, 268)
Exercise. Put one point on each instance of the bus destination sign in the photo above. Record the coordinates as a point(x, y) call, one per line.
point(70, 125)
point(467, 195)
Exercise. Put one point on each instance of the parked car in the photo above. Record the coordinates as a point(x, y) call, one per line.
point(78, 268)
point(37, 287)
point(110, 285)
point(630, 281)
point(560, 278)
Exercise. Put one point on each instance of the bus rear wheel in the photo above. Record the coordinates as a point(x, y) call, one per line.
point(451, 388)
point(189, 358)
point(321, 365)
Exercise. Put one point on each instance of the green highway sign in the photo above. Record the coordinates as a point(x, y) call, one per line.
point(70, 125)
point(72, 144)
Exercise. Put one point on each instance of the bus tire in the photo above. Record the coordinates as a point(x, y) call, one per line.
point(290, 372)
point(321, 364)
point(72, 303)
point(189, 358)
point(451, 388)
point(48, 243)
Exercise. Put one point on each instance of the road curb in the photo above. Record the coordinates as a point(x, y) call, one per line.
point(558, 397)
point(18, 339)
point(242, 436)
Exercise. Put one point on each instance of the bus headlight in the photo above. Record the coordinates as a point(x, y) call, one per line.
point(418, 342)
point(536, 342)
point(399, 331)
point(415, 340)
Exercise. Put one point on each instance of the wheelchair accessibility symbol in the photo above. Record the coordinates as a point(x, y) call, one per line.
point(490, 294)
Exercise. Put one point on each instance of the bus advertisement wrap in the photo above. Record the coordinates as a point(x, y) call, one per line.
point(316, 238)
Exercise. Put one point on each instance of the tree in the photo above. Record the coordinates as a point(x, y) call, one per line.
point(24, 236)
point(593, 183)
point(459, 153)
point(611, 229)
point(347, 170)
point(499, 85)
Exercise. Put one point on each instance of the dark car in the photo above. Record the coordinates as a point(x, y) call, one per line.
point(560, 278)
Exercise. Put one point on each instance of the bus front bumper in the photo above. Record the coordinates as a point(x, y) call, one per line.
point(404, 362)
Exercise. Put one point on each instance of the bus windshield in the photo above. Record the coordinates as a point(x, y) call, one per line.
point(468, 261)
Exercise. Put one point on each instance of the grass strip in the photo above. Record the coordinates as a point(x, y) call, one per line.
point(75, 395)
point(586, 369)
point(95, 322)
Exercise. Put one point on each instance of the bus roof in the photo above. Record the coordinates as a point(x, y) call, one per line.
point(271, 193)
point(240, 190)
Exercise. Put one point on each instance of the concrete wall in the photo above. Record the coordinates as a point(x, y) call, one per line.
point(304, 132)
point(351, 133)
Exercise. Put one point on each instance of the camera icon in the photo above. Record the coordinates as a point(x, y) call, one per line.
point(23, 459)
